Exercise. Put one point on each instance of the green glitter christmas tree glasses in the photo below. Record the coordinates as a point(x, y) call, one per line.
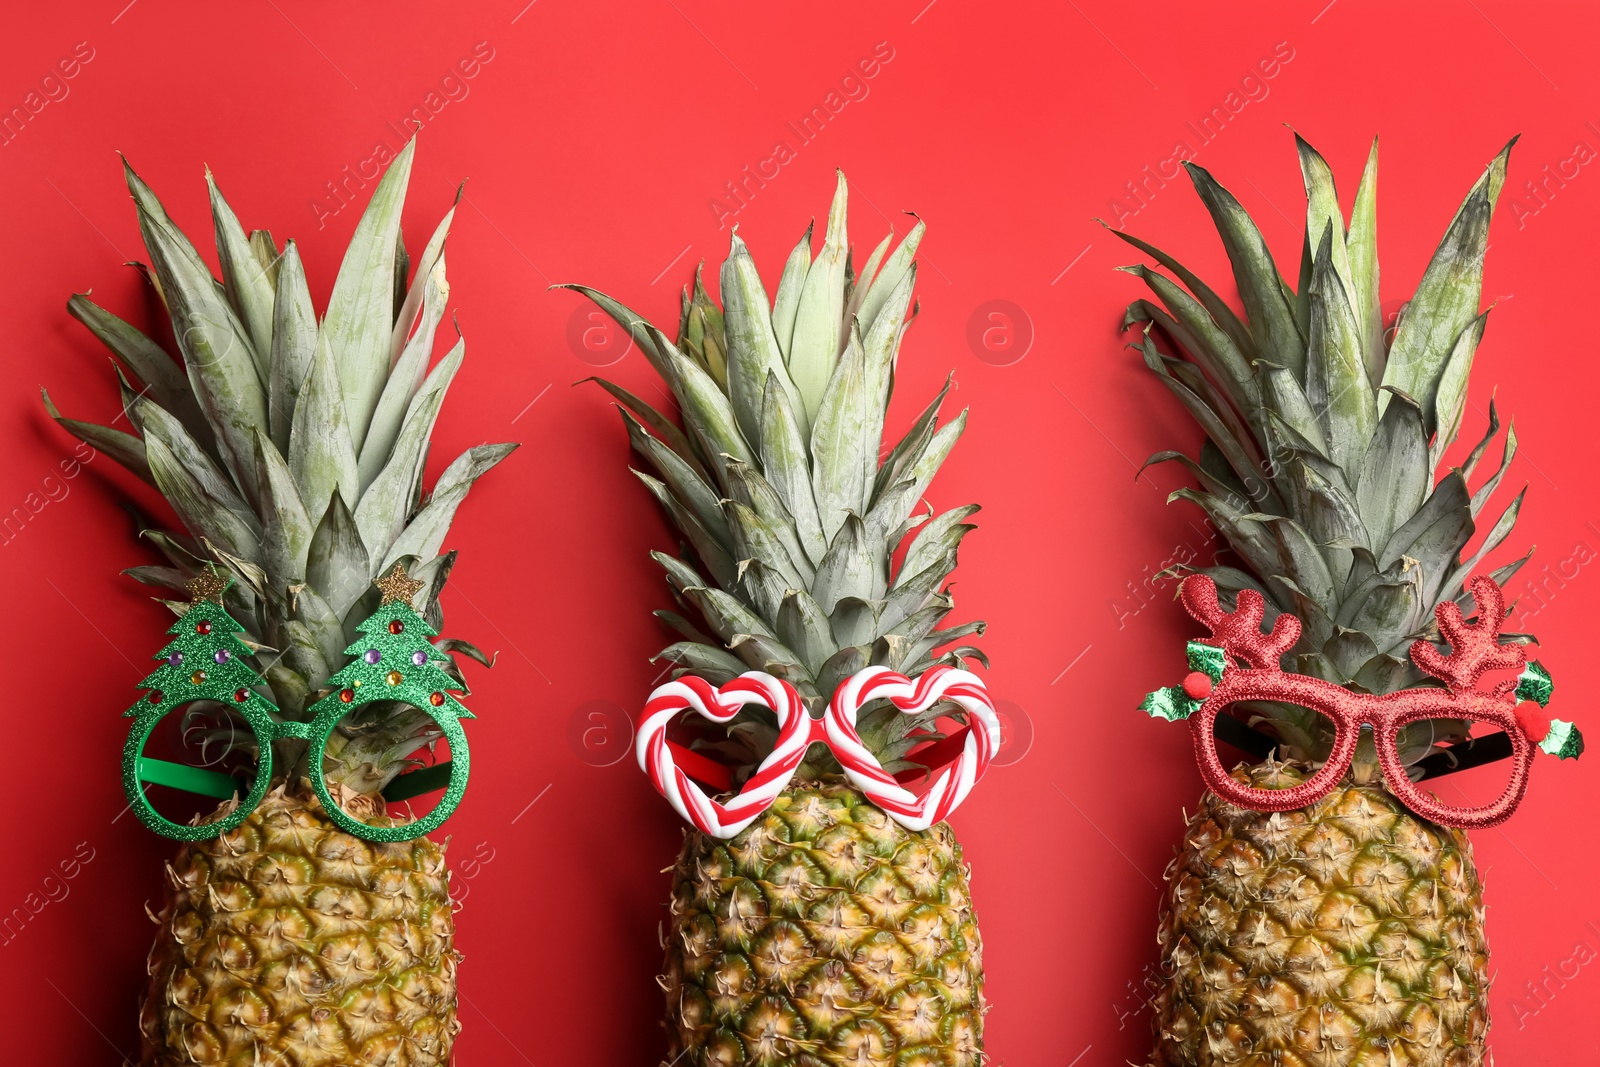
point(206, 661)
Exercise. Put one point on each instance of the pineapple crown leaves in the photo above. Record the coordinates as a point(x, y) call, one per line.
point(775, 482)
point(1325, 435)
point(291, 447)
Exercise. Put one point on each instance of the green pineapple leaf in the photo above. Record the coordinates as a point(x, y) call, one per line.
point(387, 503)
point(748, 487)
point(1447, 298)
point(659, 425)
point(1486, 490)
point(684, 480)
point(322, 455)
point(754, 540)
point(709, 550)
point(864, 283)
point(294, 345)
point(1193, 327)
point(1496, 536)
point(148, 363)
point(1337, 386)
point(337, 564)
point(1324, 219)
point(803, 626)
point(405, 379)
point(1361, 244)
point(706, 410)
point(424, 535)
point(787, 300)
point(1450, 398)
point(884, 288)
point(643, 334)
point(217, 352)
point(819, 315)
point(712, 664)
point(286, 537)
point(125, 448)
point(156, 423)
point(1394, 474)
point(416, 295)
point(1266, 297)
point(244, 278)
point(753, 354)
point(357, 329)
point(838, 477)
point(787, 464)
point(202, 515)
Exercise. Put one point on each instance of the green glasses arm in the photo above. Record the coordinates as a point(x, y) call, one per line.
point(206, 783)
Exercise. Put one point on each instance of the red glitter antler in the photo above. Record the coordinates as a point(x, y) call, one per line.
point(1475, 648)
point(1239, 632)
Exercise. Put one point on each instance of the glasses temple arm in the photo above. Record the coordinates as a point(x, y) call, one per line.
point(1474, 752)
point(1461, 756)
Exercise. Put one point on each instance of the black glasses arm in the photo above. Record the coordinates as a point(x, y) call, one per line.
point(1474, 752)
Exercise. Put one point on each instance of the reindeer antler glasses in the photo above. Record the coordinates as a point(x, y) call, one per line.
point(1240, 663)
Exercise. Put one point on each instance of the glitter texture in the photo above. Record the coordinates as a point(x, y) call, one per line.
point(207, 631)
point(1250, 664)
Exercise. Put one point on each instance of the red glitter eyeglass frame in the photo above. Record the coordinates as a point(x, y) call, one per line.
point(1252, 671)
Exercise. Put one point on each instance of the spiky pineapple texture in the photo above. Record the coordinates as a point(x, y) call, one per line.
point(1324, 464)
point(1345, 934)
point(288, 941)
point(824, 935)
point(292, 448)
point(791, 520)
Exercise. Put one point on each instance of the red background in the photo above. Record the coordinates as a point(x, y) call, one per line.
point(593, 140)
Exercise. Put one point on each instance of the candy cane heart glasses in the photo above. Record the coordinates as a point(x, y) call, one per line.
point(1240, 664)
point(955, 763)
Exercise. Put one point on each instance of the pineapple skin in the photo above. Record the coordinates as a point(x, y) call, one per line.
point(824, 934)
point(1347, 933)
point(288, 941)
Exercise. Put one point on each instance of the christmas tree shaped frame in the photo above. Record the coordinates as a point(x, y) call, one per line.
point(394, 660)
point(206, 660)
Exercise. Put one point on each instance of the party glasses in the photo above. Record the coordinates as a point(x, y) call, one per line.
point(393, 662)
point(953, 764)
point(1240, 664)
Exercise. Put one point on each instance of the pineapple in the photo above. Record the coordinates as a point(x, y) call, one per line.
point(824, 933)
point(1349, 932)
point(292, 452)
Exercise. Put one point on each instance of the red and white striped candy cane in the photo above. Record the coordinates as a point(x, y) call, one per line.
point(951, 785)
point(720, 704)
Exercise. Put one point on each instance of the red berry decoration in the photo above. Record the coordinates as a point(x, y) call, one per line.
point(155, 696)
point(396, 626)
point(203, 626)
point(436, 699)
point(241, 695)
point(1197, 685)
point(1535, 722)
point(347, 695)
